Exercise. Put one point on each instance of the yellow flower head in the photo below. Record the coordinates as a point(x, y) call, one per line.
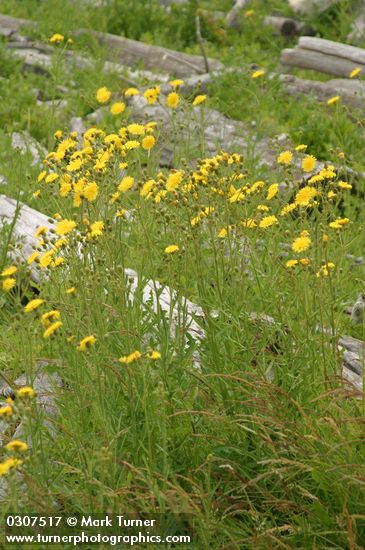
point(309, 163)
point(9, 271)
point(173, 100)
point(8, 284)
point(268, 221)
point(126, 359)
point(199, 99)
point(151, 95)
point(103, 95)
point(300, 244)
point(285, 157)
point(258, 74)
point(52, 329)
point(86, 342)
point(25, 392)
point(355, 72)
point(171, 249)
point(272, 191)
point(33, 304)
point(56, 38)
point(148, 142)
point(153, 355)
point(96, 229)
point(131, 92)
point(333, 100)
point(305, 195)
point(117, 108)
point(6, 410)
point(126, 184)
point(17, 446)
point(65, 226)
point(50, 316)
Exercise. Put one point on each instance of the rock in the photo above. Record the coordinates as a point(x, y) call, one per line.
point(310, 7)
point(26, 143)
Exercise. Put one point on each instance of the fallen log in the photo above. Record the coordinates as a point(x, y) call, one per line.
point(310, 7)
point(352, 92)
point(287, 26)
point(353, 362)
point(324, 56)
point(130, 52)
point(233, 16)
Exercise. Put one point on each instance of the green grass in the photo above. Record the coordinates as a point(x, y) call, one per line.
point(263, 444)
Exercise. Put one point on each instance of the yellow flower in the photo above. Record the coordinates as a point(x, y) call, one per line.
point(174, 180)
point(103, 95)
point(291, 263)
point(272, 191)
point(148, 142)
point(301, 147)
point(147, 188)
point(222, 233)
point(344, 185)
point(96, 229)
point(305, 195)
point(176, 83)
point(339, 223)
point(268, 221)
point(40, 231)
point(50, 316)
point(117, 108)
point(71, 290)
point(56, 38)
point(151, 95)
point(6, 410)
point(171, 249)
point(90, 191)
point(65, 226)
point(287, 209)
point(17, 446)
point(249, 13)
point(199, 99)
point(126, 184)
point(41, 176)
point(300, 244)
point(9, 271)
point(355, 72)
point(46, 259)
point(153, 355)
point(136, 129)
point(258, 74)
point(8, 284)
point(304, 261)
point(51, 177)
point(285, 157)
point(25, 392)
point(126, 359)
point(131, 92)
point(8, 464)
point(309, 163)
point(132, 144)
point(52, 329)
point(33, 304)
point(333, 100)
point(86, 342)
point(173, 100)
point(263, 208)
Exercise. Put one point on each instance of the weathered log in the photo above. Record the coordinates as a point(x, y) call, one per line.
point(352, 92)
point(353, 361)
point(310, 7)
point(24, 222)
point(130, 52)
point(233, 16)
point(314, 60)
point(329, 47)
point(288, 26)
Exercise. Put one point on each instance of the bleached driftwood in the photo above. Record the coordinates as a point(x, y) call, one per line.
point(324, 56)
point(25, 143)
point(353, 361)
point(130, 52)
point(310, 7)
point(352, 92)
point(288, 26)
point(24, 222)
point(233, 16)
